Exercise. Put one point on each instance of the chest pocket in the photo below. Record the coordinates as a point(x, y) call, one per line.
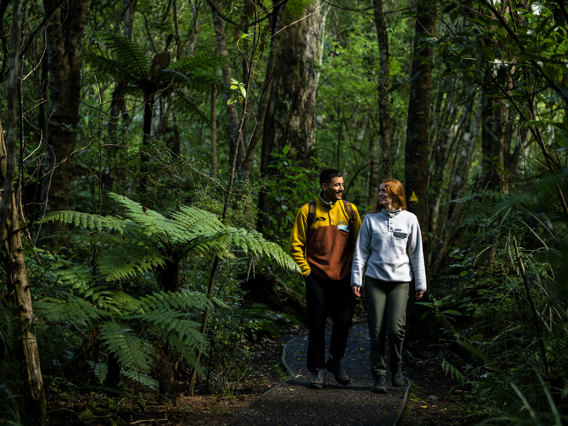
point(400, 235)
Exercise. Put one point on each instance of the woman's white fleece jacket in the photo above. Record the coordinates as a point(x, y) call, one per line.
point(390, 244)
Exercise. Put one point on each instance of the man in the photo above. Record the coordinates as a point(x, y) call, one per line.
point(321, 243)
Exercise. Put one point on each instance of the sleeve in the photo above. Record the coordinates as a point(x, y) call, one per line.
point(362, 252)
point(297, 244)
point(416, 256)
point(356, 224)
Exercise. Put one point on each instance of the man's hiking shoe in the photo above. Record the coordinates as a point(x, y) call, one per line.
point(398, 379)
point(380, 385)
point(317, 381)
point(339, 372)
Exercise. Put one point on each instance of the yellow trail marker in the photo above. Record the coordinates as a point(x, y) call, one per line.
point(413, 197)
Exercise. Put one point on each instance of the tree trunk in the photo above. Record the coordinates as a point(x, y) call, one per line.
point(213, 132)
point(118, 104)
point(231, 107)
point(264, 100)
point(416, 155)
point(64, 34)
point(291, 117)
point(12, 254)
point(494, 111)
point(384, 103)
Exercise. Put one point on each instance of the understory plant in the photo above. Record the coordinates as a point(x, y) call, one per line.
point(502, 308)
point(125, 294)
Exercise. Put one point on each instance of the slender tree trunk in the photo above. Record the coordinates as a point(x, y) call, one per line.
point(118, 104)
point(494, 111)
point(64, 33)
point(231, 107)
point(384, 103)
point(263, 103)
point(213, 120)
point(417, 134)
point(12, 253)
point(291, 117)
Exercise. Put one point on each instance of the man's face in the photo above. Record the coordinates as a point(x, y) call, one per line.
point(333, 190)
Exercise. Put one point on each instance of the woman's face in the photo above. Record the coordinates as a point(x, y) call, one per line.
point(384, 198)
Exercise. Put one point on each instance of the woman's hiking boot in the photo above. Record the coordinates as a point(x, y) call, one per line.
point(380, 385)
point(317, 381)
point(398, 379)
point(335, 368)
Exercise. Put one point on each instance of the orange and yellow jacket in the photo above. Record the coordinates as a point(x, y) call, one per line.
point(326, 249)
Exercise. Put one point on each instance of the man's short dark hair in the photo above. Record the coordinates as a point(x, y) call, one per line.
point(327, 175)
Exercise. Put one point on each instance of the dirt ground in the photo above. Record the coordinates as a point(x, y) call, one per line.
point(433, 398)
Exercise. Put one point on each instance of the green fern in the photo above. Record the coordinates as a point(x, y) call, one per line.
point(87, 221)
point(131, 351)
point(72, 310)
point(141, 378)
point(151, 239)
point(454, 373)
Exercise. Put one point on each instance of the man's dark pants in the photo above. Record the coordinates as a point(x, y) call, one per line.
point(327, 297)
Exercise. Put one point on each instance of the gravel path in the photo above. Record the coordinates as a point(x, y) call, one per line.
point(293, 403)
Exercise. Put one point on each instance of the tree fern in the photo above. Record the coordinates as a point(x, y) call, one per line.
point(152, 239)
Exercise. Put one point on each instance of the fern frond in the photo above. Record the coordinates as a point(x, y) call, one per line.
point(141, 378)
point(252, 243)
point(195, 221)
point(166, 322)
point(154, 223)
point(128, 261)
point(453, 372)
point(72, 310)
point(129, 57)
point(131, 351)
point(182, 300)
point(78, 277)
point(189, 353)
point(88, 221)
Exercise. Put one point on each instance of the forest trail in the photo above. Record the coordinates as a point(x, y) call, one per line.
point(293, 403)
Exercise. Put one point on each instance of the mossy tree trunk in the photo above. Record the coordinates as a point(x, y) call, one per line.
point(33, 402)
point(64, 36)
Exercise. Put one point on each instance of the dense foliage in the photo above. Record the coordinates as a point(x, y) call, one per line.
point(176, 205)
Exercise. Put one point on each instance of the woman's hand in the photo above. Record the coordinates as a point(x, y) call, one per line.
point(419, 295)
point(356, 290)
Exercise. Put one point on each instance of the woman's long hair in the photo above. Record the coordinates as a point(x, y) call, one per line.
point(396, 191)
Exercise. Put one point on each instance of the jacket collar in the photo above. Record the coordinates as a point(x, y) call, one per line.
point(328, 204)
point(391, 213)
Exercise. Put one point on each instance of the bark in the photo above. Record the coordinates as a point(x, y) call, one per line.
point(263, 103)
point(494, 113)
point(118, 104)
point(384, 103)
point(213, 132)
point(64, 34)
point(457, 189)
point(12, 254)
point(452, 132)
point(291, 116)
point(417, 135)
point(231, 107)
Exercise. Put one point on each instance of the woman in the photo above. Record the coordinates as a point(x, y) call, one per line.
point(390, 245)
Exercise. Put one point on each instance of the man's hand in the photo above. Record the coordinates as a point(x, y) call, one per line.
point(356, 290)
point(419, 295)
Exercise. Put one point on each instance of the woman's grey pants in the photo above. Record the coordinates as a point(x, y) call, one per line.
point(386, 316)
